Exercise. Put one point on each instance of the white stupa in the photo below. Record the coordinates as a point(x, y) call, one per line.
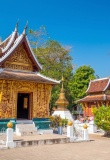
point(62, 104)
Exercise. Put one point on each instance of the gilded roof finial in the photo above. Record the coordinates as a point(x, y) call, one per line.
point(24, 31)
point(16, 27)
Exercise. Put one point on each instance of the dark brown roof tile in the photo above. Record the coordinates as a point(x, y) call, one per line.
point(97, 85)
point(92, 98)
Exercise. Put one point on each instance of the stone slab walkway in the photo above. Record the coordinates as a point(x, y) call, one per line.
point(97, 149)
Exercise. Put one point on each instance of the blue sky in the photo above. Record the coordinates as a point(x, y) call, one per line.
point(83, 25)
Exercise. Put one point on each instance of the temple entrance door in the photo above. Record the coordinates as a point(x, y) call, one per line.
point(23, 106)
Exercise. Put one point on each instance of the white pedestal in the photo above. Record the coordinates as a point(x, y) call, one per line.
point(64, 114)
point(92, 127)
point(85, 131)
point(69, 131)
point(9, 139)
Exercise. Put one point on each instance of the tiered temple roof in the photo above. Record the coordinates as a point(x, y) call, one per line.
point(97, 90)
point(13, 41)
point(8, 48)
point(98, 85)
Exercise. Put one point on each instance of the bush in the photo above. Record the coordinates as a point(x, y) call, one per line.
point(56, 121)
point(102, 118)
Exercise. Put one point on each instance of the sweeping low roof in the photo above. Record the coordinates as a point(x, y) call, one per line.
point(93, 98)
point(26, 76)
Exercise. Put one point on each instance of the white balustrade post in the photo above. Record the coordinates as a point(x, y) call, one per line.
point(85, 131)
point(9, 136)
point(70, 129)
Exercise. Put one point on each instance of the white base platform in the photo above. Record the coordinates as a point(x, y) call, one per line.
point(64, 114)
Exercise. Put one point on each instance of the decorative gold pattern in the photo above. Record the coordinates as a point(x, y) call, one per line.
point(19, 60)
point(39, 101)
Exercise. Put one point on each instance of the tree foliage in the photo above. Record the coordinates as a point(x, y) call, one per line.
point(102, 118)
point(80, 80)
point(38, 37)
point(55, 61)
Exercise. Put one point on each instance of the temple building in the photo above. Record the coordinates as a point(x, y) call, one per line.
point(24, 92)
point(98, 94)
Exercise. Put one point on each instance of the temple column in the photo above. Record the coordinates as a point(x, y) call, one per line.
point(86, 109)
point(107, 103)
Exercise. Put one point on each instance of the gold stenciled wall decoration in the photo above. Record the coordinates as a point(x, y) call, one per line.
point(40, 99)
point(43, 98)
point(6, 103)
point(19, 60)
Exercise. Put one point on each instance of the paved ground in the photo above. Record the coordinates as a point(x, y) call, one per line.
point(97, 149)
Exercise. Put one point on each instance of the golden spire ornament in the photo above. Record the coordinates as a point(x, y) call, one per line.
point(62, 101)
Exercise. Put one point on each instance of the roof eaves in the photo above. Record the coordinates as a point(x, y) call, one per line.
point(10, 42)
point(5, 40)
point(88, 86)
point(81, 99)
point(107, 85)
point(99, 79)
point(49, 79)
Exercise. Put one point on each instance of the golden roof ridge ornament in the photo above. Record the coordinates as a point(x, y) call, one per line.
point(16, 27)
point(25, 28)
point(62, 101)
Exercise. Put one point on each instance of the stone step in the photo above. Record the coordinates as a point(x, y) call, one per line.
point(41, 142)
point(25, 129)
point(24, 121)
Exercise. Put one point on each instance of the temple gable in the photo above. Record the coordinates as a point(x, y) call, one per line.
point(19, 60)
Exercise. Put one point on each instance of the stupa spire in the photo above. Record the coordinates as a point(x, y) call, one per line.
point(62, 80)
point(62, 101)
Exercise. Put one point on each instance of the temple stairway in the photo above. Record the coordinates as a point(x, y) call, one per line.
point(25, 127)
point(29, 127)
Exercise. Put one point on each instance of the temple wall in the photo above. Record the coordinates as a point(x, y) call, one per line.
point(40, 97)
point(88, 108)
